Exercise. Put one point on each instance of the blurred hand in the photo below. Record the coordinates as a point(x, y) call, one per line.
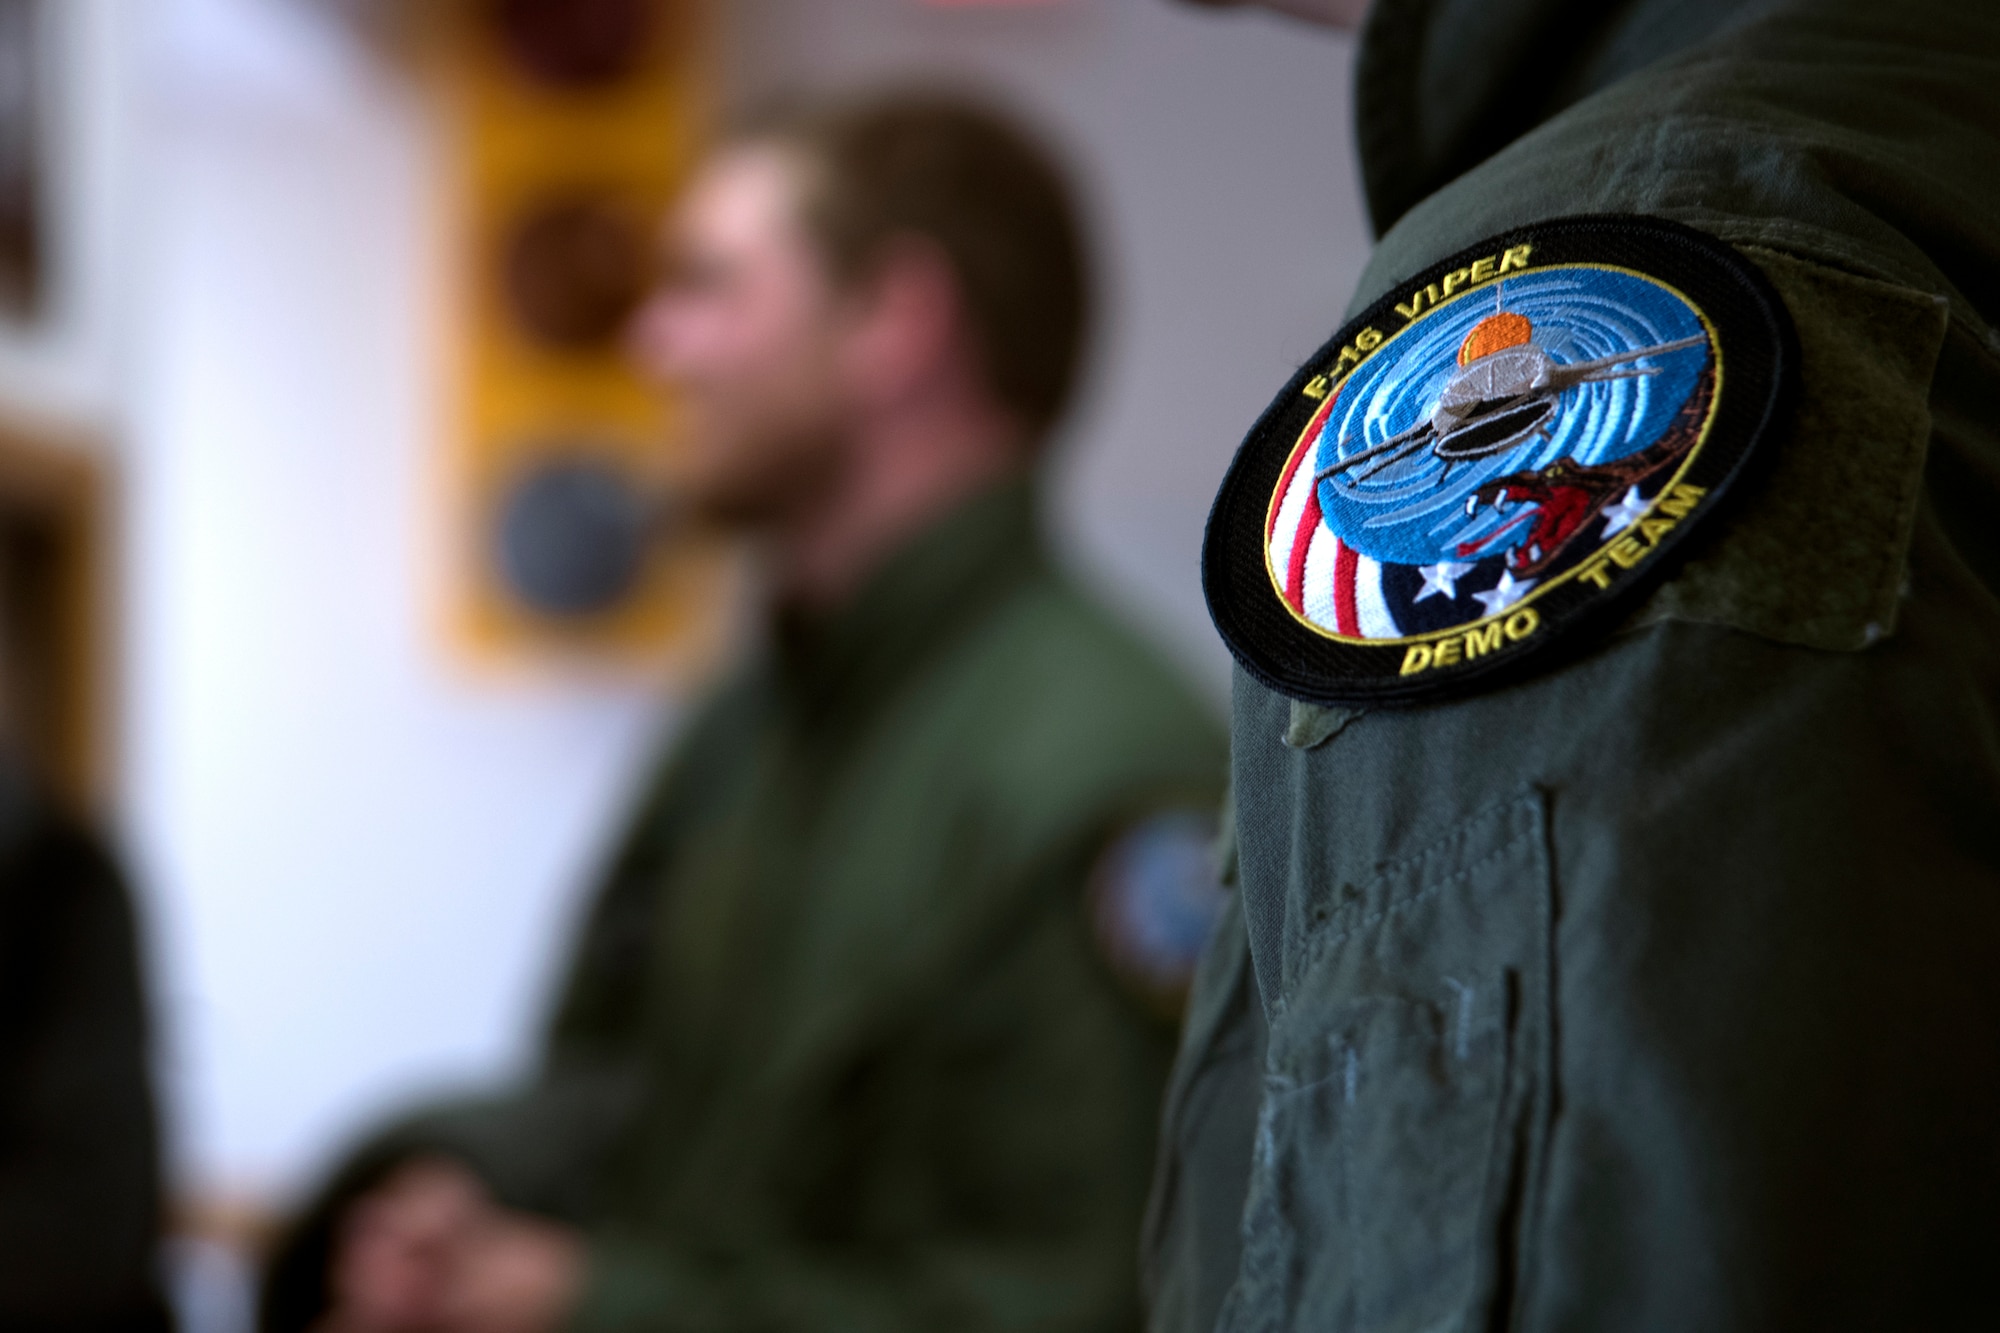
point(428, 1251)
point(516, 1274)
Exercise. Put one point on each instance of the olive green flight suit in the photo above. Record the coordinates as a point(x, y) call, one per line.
point(838, 1049)
point(1660, 990)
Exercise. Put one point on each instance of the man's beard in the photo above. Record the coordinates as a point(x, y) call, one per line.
point(765, 485)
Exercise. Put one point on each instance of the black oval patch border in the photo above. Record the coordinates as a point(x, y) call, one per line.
point(1757, 345)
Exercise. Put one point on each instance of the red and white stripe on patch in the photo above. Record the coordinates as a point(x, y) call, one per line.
point(1323, 579)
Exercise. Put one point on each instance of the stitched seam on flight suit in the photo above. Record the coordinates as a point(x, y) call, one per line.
point(1201, 1050)
point(1802, 240)
point(1323, 943)
point(1319, 945)
point(1200, 1036)
point(1896, 548)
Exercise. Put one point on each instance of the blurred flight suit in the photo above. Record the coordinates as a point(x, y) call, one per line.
point(840, 1047)
point(1733, 867)
point(79, 1160)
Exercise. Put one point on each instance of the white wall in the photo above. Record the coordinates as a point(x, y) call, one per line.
point(358, 864)
point(67, 366)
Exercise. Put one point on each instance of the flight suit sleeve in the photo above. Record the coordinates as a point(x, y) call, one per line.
point(1655, 991)
point(991, 1175)
point(1190, 1246)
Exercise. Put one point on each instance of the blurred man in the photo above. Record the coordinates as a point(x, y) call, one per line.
point(1618, 802)
point(79, 1159)
point(861, 1033)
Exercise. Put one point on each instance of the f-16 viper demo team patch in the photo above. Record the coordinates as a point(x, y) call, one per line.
point(1503, 449)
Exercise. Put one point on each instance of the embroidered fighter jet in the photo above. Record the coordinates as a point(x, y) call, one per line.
point(1560, 502)
point(1506, 391)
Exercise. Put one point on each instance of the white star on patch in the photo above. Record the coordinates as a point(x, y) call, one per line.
point(1441, 578)
point(1624, 514)
point(1505, 593)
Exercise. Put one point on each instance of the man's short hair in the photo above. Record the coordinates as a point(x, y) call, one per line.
point(966, 179)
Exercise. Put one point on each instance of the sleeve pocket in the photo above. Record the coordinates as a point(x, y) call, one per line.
point(1405, 1089)
point(1816, 551)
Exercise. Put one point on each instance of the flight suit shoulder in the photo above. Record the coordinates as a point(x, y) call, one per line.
point(1073, 698)
point(1582, 423)
point(1090, 759)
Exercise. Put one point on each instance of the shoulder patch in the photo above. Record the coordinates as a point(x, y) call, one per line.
point(1506, 449)
point(1155, 894)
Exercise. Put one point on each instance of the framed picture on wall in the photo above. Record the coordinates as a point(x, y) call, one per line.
point(22, 117)
point(54, 654)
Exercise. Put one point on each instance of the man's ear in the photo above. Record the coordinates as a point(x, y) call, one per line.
point(909, 323)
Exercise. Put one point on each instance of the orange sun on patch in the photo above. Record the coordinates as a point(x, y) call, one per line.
point(1495, 333)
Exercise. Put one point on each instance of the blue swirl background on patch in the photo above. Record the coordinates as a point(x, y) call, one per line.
point(1413, 512)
